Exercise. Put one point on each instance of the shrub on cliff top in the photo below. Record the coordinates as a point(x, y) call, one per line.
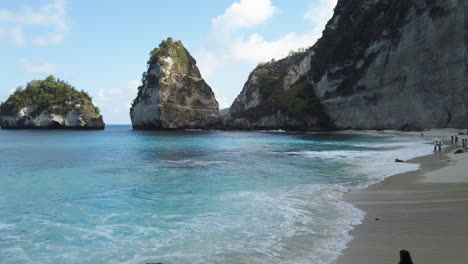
point(171, 48)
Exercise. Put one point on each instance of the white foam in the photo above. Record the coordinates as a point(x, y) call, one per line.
point(378, 162)
point(195, 163)
point(372, 165)
point(7, 226)
point(14, 254)
point(311, 218)
point(273, 131)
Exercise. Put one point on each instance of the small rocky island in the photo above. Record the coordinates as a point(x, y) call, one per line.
point(173, 94)
point(50, 103)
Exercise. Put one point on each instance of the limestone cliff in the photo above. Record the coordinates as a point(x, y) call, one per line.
point(278, 95)
point(173, 94)
point(380, 64)
point(49, 103)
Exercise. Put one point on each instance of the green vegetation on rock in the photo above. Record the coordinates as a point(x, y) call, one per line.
point(299, 99)
point(167, 48)
point(173, 49)
point(51, 94)
point(267, 80)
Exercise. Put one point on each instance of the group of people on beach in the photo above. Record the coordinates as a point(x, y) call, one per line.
point(438, 145)
point(454, 140)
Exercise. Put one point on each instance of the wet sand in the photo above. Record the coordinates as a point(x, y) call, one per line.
point(424, 212)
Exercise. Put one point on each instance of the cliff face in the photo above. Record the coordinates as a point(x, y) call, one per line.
point(380, 64)
point(49, 103)
point(173, 93)
point(278, 95)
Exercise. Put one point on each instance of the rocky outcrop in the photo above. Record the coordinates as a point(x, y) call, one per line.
point(380, 64)
point(51, 104)
point(278, 95)
point(173, 94)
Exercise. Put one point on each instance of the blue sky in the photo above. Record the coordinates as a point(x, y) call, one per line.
point(102, 46)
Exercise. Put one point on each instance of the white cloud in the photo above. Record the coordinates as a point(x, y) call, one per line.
point(115, 102)
point(17, 36)
point(133, 84)
point(231, 40)
point(127, 90)
point(319, 14)
point(230, 44)
point(224, 102)
point(225, 31)
point(37, 67)
point(52, 19)
point(256, 49)
point(243, 14)
point(12, 36)
point(207, 62)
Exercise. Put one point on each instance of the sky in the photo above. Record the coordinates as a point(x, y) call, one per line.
point(102, 46)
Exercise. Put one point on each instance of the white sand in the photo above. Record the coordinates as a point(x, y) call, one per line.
point(425, 212)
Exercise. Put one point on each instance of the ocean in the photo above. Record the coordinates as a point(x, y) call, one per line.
point(124, 196)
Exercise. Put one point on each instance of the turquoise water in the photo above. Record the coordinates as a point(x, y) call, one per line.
point(123, 196)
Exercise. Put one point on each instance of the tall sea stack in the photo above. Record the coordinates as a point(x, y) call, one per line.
point(173, 94)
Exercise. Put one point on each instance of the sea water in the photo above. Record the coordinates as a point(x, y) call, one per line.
point(124, 196)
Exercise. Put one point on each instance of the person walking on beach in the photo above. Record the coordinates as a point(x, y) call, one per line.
point(451, 140)
point(456, 139)
point(439, 146)
point(405, 257)
point(435, 146)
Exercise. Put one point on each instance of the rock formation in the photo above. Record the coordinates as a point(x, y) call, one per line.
point(278, 95)
point(49, 103)
point(380, 64)
point(173, 94)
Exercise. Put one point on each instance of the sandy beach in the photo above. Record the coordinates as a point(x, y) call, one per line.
point(424, 211)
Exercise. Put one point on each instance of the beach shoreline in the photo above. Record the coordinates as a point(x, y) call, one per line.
point(422, 211)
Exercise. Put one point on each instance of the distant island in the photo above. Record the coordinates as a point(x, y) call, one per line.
point(50, 103)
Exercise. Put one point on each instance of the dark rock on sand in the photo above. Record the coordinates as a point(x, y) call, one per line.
point(459, 151)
